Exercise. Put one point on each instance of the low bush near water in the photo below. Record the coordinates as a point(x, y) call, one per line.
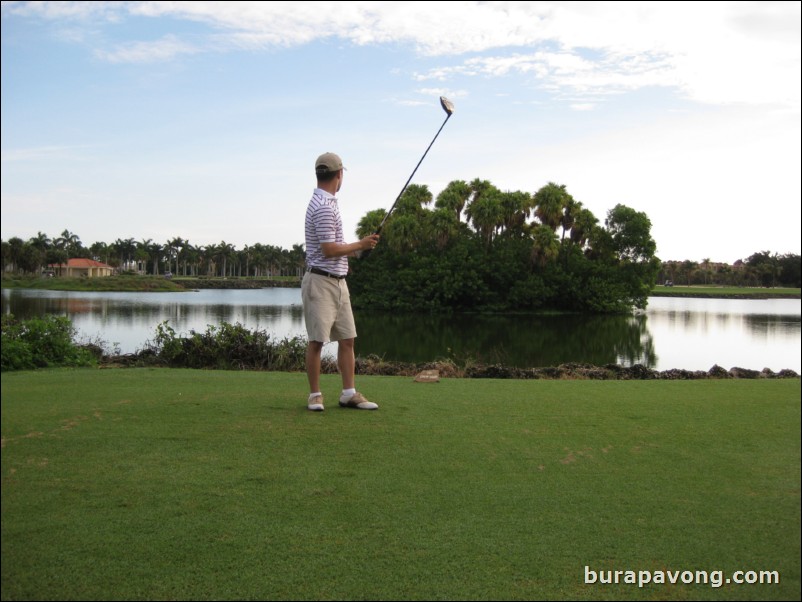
point(228, 347)
point(49, 342)
point(41, 343)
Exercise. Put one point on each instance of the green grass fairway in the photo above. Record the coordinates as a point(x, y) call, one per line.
point(177, 484)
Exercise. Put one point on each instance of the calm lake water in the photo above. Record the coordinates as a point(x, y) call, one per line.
point(693, 334)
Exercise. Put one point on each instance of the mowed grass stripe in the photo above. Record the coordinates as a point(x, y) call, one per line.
point(179, 484)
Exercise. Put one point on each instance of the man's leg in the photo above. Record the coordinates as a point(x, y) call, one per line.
point(313, 352)
point(346, 362)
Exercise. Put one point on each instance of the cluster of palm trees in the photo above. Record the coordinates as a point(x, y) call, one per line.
point(177, 256)
point(483, 249)
point(490, 212)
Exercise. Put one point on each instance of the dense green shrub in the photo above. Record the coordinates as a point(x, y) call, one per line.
point(41, 343)
point(227, 347)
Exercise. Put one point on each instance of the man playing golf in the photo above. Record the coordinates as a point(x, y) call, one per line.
point(324, 292)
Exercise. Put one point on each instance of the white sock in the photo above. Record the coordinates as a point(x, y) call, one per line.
point(313, 395)
point(347, 394)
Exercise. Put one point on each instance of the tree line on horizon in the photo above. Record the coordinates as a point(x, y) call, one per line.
point(176, 255)
point(547, 228)
point(761, 269)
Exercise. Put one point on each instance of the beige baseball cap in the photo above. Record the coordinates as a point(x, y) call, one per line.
point(327, 163)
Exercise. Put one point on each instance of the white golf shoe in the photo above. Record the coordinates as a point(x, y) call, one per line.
point(315, 404)
point(358, 402)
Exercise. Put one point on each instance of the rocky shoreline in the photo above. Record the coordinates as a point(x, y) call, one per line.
point(373, 365)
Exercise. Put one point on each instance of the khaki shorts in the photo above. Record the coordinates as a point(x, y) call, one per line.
point(327, 308)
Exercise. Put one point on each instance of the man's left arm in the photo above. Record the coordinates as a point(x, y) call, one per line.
point(338, 249)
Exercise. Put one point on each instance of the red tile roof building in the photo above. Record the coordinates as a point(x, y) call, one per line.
point(88, 268)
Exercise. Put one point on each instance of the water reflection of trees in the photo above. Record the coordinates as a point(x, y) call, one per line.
point(760, 324)
point(770, 326)
point(90, 313)
point(523, 341)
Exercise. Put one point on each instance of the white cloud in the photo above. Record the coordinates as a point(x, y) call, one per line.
point(714, 52)
point(167, 48)
point(449, 93)
point(64, 10)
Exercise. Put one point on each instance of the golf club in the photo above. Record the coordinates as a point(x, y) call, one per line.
point(448, 107)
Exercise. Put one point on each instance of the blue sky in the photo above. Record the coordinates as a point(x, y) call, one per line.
point(202, 120)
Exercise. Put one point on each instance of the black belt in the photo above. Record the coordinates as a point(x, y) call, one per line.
point(320, 272)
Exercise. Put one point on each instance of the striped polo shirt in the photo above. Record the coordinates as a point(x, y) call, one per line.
point(324, 224)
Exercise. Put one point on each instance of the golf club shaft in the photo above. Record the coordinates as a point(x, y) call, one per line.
point(381, 225)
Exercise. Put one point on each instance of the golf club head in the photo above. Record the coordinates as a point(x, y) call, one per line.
point(447, 105)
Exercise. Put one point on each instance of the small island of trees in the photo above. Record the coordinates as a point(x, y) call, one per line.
point(514, 251)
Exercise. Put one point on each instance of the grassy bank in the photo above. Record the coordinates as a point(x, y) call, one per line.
point(133, 283)
point(725, 292)
point(107, 284)
point(181, 283)
point(180, 484)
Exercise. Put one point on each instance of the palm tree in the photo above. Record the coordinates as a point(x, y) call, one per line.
point(479, 188)
point(485, 214)
point(183, 254)
point(273, 259)
point(43, 244)
point(156, 255)
point(545, 246)
point(41, 241)
point(688, 268)
point(70, 243)
point(5, 254)
point(15, 245)
point(369, 223)
point(550, 201)
point(286, 262)
point(191, 255)
point(403, 232)
point(583, 225)
point(172, 250)
point(149, 250)
point(454, 197)
point(126, 250)
point(100, 251)
point(706, 268)
point(142, 255)
point(298, 256)
point(224, 251)
point(245, 257)
point(415, 197)
point(444, 226)
point(31, 259)
point(208, 254)
point(258, 258)
point(570, 212)
point(515, 208)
